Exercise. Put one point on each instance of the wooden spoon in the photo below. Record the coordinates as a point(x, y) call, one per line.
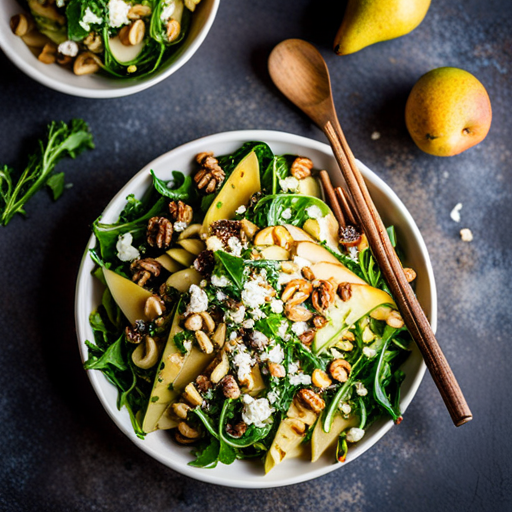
point(300, 72)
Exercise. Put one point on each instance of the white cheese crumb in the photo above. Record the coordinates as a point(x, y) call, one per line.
point(345, 408)
point(289, 184)
point(236, 316)
point(455, 213)
point(248, 324)
point(300, 379)
point(233, 336)
point(257, 412)
point(118, 13)
point(243, 362)
point(235, 246)
point(89, 17)
point(353, 253)
point(293, 368)
point(167, 11)
point(198, 300)
point(466, 235)
point(180, 226)
point(355, 434)
point(254, 295)
point(299, 328)
point(287, 214)
point(375, 135)
point(68, 48)
point(336, 354)
point(241, 210)
point(274, 355)
point(257, 314)
point(60, 3)
point(273, 396)
point(276, 306)
point(360, 389)
point(125, 250)
point(220, 281)
point(314, 212)
point(221, 296)
point(281, 331)
point(369, 352)
point(214, 243)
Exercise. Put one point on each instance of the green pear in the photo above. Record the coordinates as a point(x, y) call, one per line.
point(371, 21)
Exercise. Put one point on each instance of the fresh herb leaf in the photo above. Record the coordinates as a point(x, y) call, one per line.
point(207, 456)
point(234, 266)
point(181, 187)
point(56, 184)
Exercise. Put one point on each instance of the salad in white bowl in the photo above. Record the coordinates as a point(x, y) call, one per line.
point(238, 321)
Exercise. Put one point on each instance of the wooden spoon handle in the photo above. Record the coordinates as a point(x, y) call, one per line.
point(413, 314)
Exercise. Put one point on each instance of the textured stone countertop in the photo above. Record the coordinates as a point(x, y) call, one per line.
point(59, 449)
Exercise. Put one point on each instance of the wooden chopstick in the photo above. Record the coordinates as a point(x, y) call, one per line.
point(391, 268)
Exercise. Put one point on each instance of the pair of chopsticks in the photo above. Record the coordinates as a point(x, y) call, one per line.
point(361, 204)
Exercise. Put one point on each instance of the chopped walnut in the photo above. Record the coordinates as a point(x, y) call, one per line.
point(210, 176)
point(181, 212)
point(323, 295)
point(135, 333)
point(203, 383)
point(144, 270)
point(159, 232)
point(311, 400)
point(230, 387)
point(301, 167)
point(205, 262)
point(236, 431)
point(345, 291)
point(319, 321)
point(307, 337)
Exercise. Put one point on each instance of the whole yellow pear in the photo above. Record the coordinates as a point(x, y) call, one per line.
point(448, 111)
point(371, 21)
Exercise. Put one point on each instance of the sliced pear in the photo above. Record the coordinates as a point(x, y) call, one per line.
point(324, 230)
point(237, 190)
point(168, 263)
point(288, 437)
point(124, 53)
point(313, 252)
point(298, 234)
point(310, 187)
point(264, 236)
point(274, 252)
point(336, 272)
point(343, 314)
point(192, 245)
point(191, 231)
point(182, 279)
point(259, 384)
point(129, 296)
point(298, 412)
point(168, 420)
point(182, 256)
point(322, 441)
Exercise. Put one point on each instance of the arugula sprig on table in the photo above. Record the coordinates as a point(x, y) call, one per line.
point(62, 140)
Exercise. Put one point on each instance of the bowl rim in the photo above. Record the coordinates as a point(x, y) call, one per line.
point(208, 476)
point(114, 92)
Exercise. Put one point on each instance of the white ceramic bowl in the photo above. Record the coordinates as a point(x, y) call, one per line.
point(249, 474)
point(100, 86)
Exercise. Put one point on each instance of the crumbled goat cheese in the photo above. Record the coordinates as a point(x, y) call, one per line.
point(60, 3)
point(360, 389)
point(369, 352)
point(300, 379)
point(299, 328)
point(345, 408)
point(274, 355)
point(273, 396)
point(236, 316)
point(301, 262)
point(167, 11)
point(118, 13)
point(254, 295)
point(466, 235)
point(355, 434)
point(220, 281)
point(214, 243)
point(276, 306)
point(257, 412)
point(125, 250)
point(336, 354)
point(241, 210)
point(281, 331)
point(248, 324)
point(257, 314)
point(375, 135)
point(198, 300)
point(233, 336)
point(180, 226)
point(68, 48)
point(293, 368)
point(289, 184)
point(247, 399)
point(243, 361)
point(259, 340)
point(89, 17)
point(221, 296)
point(455, 213)
point(287, 214)
point(353, 253)
point(235, 246)
point(314, 212)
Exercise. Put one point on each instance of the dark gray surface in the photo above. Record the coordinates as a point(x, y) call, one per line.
point(60, 451)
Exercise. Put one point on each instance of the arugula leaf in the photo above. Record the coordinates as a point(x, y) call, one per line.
point(133, 209)
point(62, 140)
point(208, 455)
point(112, 356)
point(278, 169)
point(233, 265)
point(182, 187)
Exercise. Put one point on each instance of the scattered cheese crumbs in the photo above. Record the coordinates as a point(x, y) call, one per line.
point(187, 344)
point(353, 253)
point(369, 352)
point(89, 17)
point(220, 281)
point(125, 250)
point(276, 306)
point(233, 336)
point(241, 210)
point(118, 13)
point(180, 226)
point(293, 368)
point(314, 212)
point(256, 412)
point(259, 340)
point(281, 331)
point(355, 434)
point(236, 316)
point(68, 48)
point(455, 213)
point(375, 135)
point(273, 396)
point(254, 295)
point(300, 379)
point(60, 3)
point(289, 184)
point(168, 10)
point(345, 408)
point(274, 355)
point(299, 328)
point(198, 300)
point(466, 235)
point(360, 389)
point(214, 243)
point(248, 324)
point(221, 296)
point(287, 214)
point(243, 361)
point(235, 246)
point(258, 314)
